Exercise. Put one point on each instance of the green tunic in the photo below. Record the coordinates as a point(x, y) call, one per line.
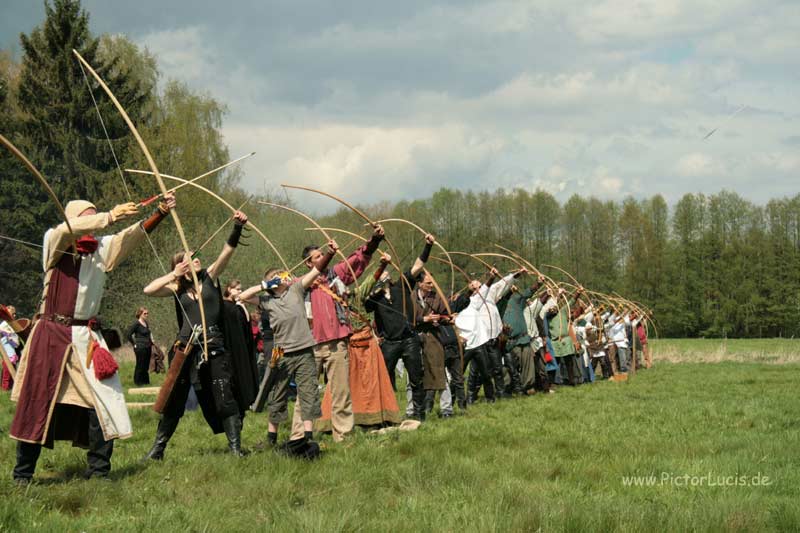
point(558, 327)
point(514, 317)
point(356, 303)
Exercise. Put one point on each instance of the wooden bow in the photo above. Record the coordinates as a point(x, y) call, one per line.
point(642, 311)
point(553, 284)
point(436, 242)
point(319, 228)
point(528, 263)
point(358, 237)
point(367, 220)
point(154, 168)
point(478, 259)
point(224, 202)
point(570, 276)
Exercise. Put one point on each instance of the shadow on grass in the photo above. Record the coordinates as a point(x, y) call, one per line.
point(75, 472)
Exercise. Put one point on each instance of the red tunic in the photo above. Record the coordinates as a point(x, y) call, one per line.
point(46, 355)
point(325, 325)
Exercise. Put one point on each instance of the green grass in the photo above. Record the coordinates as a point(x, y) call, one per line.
point(776, 351)
point(540, 463)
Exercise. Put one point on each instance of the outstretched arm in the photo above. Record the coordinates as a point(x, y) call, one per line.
point(499, 289)
point(419, 264)
point(166, 285)
point(250, 295)
point(119, 246)
point(359, 259)
point(217, 267)
point(60, 238)
point(366, 287)
point(321, 265)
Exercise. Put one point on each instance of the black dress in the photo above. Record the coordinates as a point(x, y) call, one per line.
point(226, 383)
point(139, 336)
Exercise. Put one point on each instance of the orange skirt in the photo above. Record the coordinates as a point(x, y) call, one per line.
point(374, 402)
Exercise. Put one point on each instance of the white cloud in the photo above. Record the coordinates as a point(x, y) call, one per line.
point(697, 165)
point(614, 21)
point(366, 162)
point(609, 184)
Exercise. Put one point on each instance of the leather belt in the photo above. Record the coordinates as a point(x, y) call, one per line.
point(93, 323)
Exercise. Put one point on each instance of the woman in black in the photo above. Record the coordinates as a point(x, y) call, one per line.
point(224, 377)
point(140, 337)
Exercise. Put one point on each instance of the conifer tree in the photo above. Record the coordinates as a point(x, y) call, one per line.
point(60, 122)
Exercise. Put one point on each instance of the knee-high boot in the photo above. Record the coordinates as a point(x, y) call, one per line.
point(473, 385)
point(164, 431)
point(233, 430)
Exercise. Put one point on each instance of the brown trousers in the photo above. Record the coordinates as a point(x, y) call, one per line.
point(612, 356)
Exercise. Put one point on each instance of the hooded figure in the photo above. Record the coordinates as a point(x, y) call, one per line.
point(67, 387)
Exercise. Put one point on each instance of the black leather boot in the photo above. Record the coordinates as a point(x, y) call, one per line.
point(473, 386)
point(164, 431)
point(27, 456)
point(233, 430)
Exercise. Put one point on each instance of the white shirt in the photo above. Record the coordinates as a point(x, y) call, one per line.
point(481, 322)
point(548, 306)
point(615, 330)
point(530, 313)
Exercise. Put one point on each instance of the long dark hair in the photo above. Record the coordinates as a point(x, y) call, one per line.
point(183, 283)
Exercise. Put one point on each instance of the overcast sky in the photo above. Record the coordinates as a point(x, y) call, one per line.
point(392, 100)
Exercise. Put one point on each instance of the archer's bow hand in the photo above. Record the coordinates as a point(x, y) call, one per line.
point(377, 236)
point(168, 203)
point(240, 218)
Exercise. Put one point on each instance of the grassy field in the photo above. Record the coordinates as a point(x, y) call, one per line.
point(774, 351)
point(679, 447)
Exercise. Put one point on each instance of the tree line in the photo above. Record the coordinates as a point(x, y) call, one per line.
point(711, 265)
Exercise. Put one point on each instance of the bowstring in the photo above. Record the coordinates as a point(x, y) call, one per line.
point(127, 190)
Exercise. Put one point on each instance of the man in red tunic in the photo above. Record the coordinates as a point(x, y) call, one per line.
point(332, 330)
point(61, 390)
